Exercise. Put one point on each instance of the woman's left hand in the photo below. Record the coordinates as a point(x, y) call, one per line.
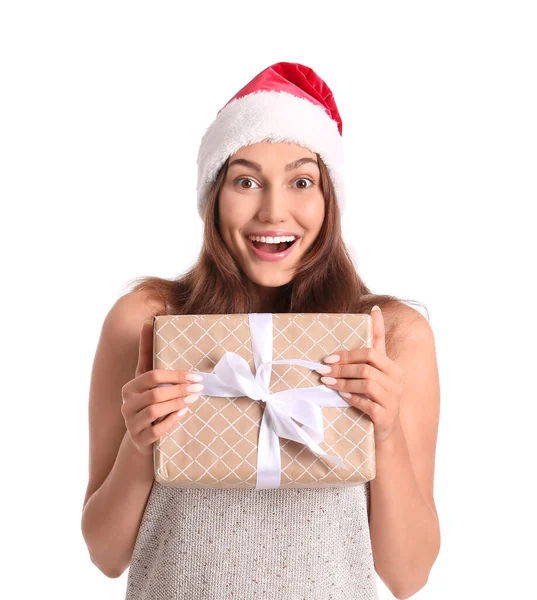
point(369, 371)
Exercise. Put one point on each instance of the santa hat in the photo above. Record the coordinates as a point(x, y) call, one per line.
point(286, 102)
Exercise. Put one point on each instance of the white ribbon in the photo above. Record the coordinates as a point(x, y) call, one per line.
point(232, 377)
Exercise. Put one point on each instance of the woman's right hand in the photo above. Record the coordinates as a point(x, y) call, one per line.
point(152, 399)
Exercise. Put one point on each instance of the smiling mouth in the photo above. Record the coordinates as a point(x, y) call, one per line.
point(272, 248)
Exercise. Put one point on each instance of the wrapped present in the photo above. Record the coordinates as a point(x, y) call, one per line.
point(263, 419)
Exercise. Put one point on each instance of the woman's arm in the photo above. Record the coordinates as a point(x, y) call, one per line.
point(120, 477)
point(404, 524)
point(112, 515)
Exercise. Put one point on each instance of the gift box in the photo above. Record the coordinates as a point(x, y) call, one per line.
point(264, 419)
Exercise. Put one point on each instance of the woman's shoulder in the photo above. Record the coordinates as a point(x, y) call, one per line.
point(399, 320)
point(136, 306)
point(397, 314)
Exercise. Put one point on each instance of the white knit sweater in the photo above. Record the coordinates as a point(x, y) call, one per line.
point(292, 544)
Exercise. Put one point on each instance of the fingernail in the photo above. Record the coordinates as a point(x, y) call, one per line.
point(193, 377)
point(345, 395)
point(191, 398)
point(323, 370)
point(195, 387)
point(332, 358)
point(329, 380)
point(375, 308)
point(182, 411)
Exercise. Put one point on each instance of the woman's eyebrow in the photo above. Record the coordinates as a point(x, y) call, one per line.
point(257, 167)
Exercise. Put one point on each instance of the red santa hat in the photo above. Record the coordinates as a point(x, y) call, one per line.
point(286, 102)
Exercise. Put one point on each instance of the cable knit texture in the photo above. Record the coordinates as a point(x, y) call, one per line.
point(292, 544)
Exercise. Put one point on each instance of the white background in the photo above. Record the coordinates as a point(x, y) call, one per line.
point(103, 106)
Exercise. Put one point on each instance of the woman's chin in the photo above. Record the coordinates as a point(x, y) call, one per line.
point(269, 279)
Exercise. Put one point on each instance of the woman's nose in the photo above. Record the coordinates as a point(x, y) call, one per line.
point(273, 205)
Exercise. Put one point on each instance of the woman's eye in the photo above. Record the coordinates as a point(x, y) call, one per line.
point(237, 181)
point(305, 179)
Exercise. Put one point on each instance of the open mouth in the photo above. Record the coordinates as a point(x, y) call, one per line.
point(272, 248)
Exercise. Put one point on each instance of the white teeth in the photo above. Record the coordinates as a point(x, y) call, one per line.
point(272, 240)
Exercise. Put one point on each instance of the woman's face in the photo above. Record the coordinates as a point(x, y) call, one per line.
point(278, 197)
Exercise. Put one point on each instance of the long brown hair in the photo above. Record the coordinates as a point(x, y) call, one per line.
point(325, 280)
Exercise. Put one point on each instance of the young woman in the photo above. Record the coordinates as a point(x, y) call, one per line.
point(270, 192)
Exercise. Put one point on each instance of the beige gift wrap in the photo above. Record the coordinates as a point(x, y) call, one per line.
point(260, 423)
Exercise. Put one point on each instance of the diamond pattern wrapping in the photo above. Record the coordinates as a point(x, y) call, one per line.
point(215, 443)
